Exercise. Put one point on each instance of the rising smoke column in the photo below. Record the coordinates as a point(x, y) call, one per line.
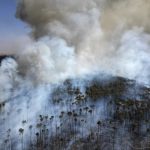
point(62, 22)
point(98, 34)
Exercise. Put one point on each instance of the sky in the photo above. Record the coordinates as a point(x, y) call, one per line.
point(8, 23)
point(11, 28)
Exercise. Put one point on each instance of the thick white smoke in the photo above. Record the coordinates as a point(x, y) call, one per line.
point(8, 72)
point(47, 60)
point(80, 37)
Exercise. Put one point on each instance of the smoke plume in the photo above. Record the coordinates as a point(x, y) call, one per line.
point(97, 36)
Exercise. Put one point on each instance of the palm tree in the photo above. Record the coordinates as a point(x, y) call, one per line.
point(30, 128)
point(6, 142)
point(37, 137)
point(69, 114)
point(9, 137)
point(99, 125)
point(86, 109)
point(21, 131)
point(24, 122)
point(39, 126)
